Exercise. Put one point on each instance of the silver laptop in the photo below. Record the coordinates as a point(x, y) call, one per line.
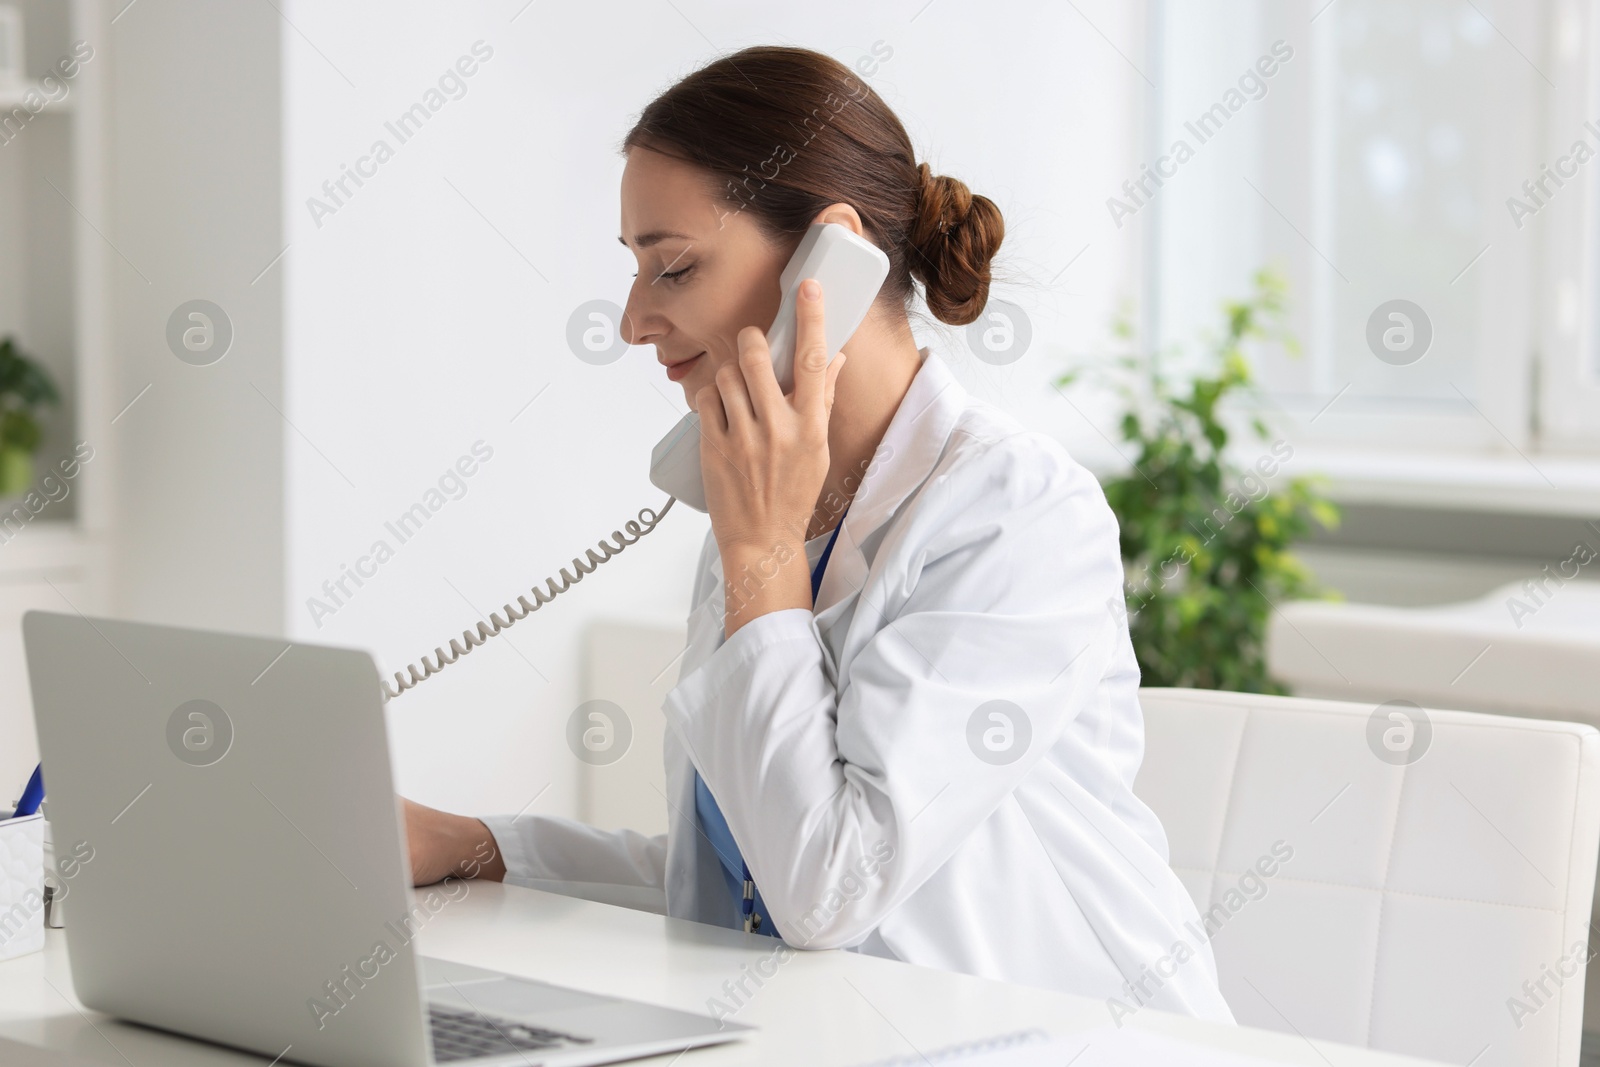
point(246, 879)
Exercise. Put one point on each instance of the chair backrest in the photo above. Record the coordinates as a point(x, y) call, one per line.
point(1411, 880)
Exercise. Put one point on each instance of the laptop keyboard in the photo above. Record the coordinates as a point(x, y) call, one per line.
point(465, 1035)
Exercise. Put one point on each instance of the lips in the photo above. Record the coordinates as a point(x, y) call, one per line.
point(676, 371)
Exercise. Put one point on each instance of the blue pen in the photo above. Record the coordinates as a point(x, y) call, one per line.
point(32, 794)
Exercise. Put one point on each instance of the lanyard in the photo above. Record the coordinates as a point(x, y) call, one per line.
point(748, 904)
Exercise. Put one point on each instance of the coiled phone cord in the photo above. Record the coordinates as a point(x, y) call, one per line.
point(630, 533)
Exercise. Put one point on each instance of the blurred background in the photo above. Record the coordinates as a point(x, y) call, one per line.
point(275, 275)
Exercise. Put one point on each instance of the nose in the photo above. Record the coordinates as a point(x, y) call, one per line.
point(641, 325)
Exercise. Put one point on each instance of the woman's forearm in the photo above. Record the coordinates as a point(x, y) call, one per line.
point(444, 845)
point(761, 578)
point(482, 859)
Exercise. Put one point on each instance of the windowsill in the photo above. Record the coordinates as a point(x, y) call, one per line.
point(12, 95)
point(42, 545)
point(1540, 484)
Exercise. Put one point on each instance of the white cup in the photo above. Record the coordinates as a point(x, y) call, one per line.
point(21, 885)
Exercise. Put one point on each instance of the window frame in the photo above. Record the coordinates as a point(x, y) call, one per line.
point(1503, 412)
point(1568, 342)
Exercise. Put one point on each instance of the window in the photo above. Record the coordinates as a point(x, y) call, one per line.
point(1569, 408)
point(1398, 161)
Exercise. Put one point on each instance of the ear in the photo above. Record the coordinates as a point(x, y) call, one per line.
point(843, 214)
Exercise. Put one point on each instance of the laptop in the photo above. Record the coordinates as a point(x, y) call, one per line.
point(242, 875)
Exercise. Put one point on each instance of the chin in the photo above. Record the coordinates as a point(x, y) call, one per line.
point(689, 390)
point(693, 384)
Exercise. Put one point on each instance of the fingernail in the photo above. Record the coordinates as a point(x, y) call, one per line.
point(810, 289)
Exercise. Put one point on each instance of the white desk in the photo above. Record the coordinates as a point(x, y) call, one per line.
point(820, 1008)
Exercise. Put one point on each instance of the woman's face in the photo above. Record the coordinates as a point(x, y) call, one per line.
point(705, 269)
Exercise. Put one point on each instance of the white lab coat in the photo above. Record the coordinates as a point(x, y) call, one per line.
point(977, 563)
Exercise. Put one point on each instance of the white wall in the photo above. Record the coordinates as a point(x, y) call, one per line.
point(418, 323)
point(195, 173)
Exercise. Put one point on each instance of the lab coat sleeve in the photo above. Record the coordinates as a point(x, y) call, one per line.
point(572, 858)
point(845, 800)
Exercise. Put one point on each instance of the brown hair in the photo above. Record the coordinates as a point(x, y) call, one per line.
point(788, 131)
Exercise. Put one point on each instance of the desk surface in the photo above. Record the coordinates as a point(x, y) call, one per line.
point(819, 1008)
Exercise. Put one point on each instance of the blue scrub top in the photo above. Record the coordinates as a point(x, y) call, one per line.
point(712, 823)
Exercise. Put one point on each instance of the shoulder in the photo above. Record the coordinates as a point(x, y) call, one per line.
point(1007, 522)
point(994, 463)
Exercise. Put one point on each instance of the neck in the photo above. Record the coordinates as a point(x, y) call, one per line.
point(883, 361)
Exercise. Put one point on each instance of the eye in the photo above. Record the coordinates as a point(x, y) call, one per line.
point(672, 275)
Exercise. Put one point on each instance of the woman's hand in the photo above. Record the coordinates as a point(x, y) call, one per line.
point(764, 457)
point(442, 845)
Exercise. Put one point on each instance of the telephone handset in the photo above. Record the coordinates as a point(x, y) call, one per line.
point(851, 270)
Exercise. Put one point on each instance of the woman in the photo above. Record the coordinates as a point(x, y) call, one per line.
point(908, 712)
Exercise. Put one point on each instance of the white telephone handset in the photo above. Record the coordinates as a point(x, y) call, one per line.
point(851, 270)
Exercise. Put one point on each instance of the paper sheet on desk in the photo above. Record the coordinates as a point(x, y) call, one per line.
point(1105, 1046)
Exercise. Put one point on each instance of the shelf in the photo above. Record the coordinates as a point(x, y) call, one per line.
point(12, 95)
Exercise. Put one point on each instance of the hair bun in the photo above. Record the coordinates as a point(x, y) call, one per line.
point(953, 239)
point(941, 200)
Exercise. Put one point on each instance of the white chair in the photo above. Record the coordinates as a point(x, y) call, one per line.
point(1531, 649)
point(1417, 898)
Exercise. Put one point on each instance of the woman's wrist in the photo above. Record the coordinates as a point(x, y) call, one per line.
point(485, 862)
point(760, 577)
point(469, 847)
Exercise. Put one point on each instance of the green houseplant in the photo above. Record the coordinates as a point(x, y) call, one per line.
point(1205, 540)
point(25, 388)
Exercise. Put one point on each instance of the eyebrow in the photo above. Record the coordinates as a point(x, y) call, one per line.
point(654, 237)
